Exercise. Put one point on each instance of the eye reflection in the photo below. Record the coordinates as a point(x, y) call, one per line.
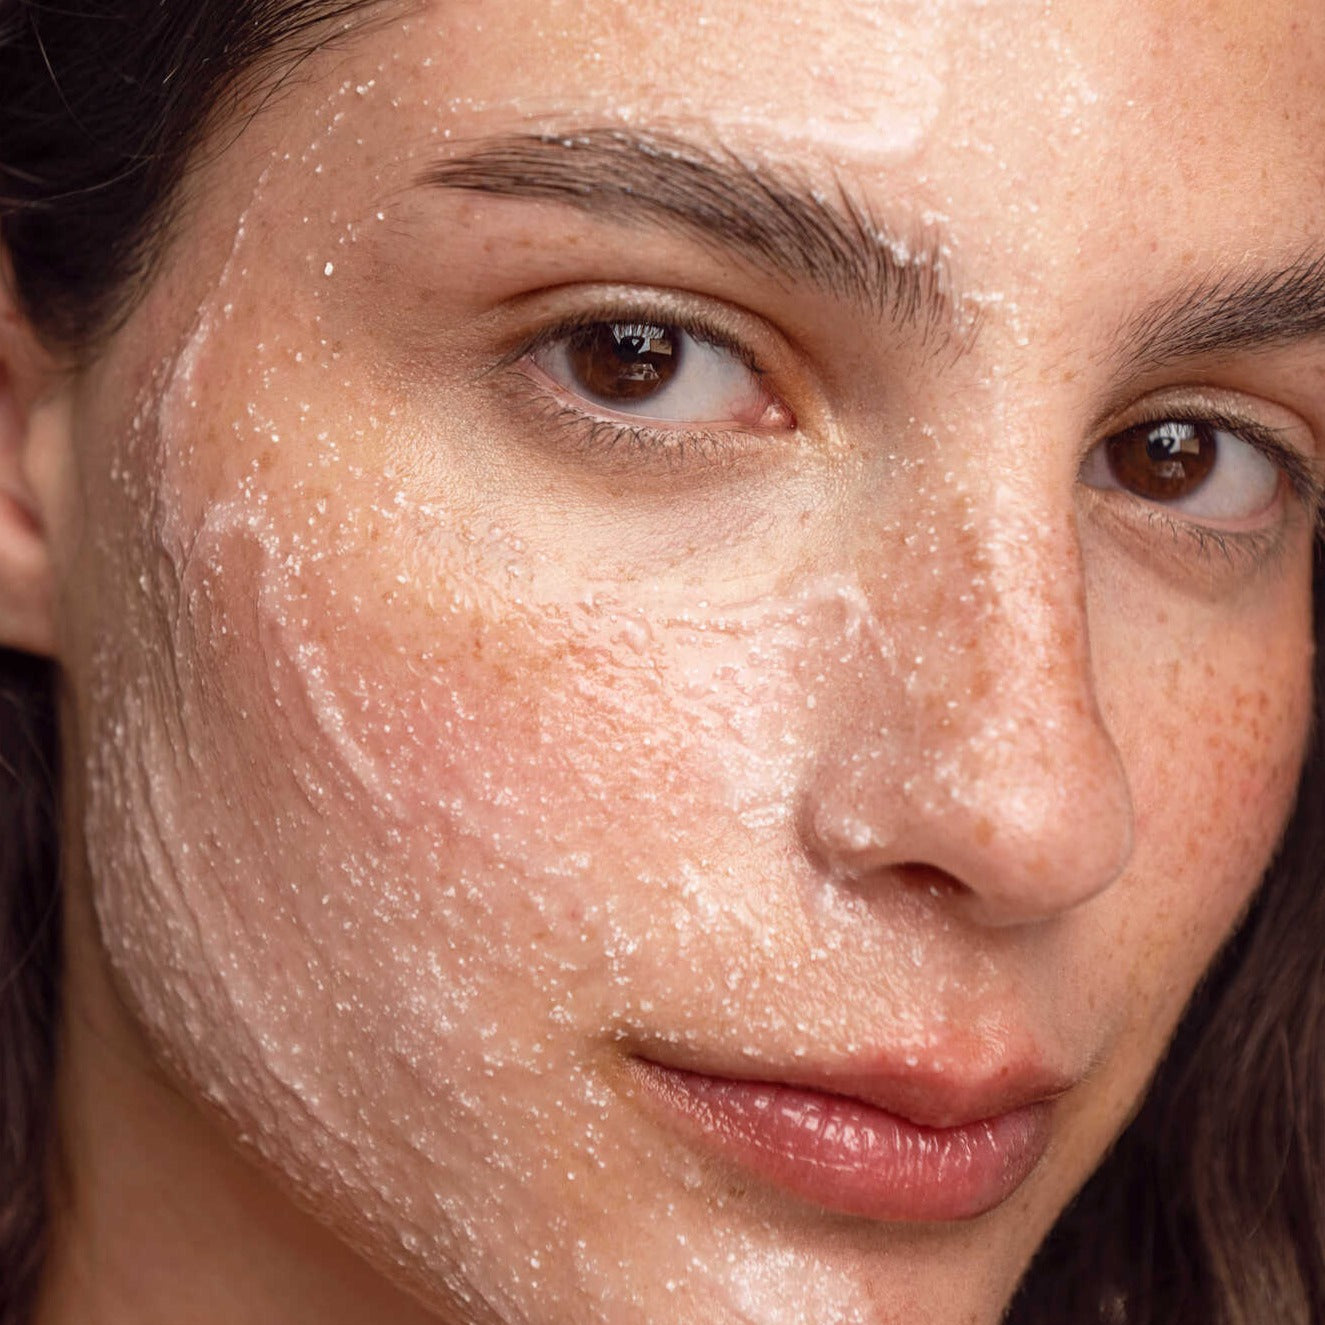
point(659, 373)
point(620, 361)
point(1194, 466)
point(1163, 461)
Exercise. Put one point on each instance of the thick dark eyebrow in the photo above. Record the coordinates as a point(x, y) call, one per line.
point(1230, 313)
point(774, 219)
point(832, 241)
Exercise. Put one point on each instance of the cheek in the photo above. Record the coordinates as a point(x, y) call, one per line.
point(384, 854)
point(347, 772)
point(414, 775)
point(356, 848)
point(1213, 739)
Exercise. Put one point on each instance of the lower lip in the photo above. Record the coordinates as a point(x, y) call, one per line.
point(852, 1158)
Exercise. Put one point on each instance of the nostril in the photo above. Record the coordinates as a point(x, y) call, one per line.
point(919, 877)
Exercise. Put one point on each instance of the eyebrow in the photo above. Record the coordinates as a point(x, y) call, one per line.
point(1238, 311)
point(777, 220)
point(832, 241)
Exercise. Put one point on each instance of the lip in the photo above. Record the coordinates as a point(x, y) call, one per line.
point(891, 1145)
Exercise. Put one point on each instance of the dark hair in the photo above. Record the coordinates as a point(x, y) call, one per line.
point(1210, 1210)
point(103, 107)
point(29, 968)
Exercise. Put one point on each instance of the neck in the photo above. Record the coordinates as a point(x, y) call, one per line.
point(157, 1216)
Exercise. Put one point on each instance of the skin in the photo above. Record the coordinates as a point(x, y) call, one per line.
point(427, 764)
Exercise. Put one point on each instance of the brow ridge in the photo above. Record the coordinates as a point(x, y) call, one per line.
point(1231, 312)
point(771, 216)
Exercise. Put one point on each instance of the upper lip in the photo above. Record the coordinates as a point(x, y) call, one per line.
point(937, 1093)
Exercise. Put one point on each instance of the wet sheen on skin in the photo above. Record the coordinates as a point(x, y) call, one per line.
point(430, 772)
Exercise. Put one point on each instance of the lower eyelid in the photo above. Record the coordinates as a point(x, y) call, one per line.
point(1242, 550)
point(1182, 549)
point(625, 445)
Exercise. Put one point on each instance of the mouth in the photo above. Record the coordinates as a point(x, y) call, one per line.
point(892, 1146)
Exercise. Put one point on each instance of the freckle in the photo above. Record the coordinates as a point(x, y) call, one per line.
point(979, 685)
point(984, 831)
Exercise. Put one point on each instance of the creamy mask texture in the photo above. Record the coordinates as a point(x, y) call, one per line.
point(434, 770)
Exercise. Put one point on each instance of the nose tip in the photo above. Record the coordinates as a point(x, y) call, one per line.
point(1038, 826)
point(992, 762)
point(1024, 822)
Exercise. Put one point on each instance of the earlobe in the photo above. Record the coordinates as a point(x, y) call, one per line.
point(27, 598)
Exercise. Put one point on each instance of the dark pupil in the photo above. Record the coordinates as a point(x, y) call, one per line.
point(1163, 461)
point(622, 361)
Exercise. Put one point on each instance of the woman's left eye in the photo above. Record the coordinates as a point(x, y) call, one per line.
point(1196, 468)
point(660, 374)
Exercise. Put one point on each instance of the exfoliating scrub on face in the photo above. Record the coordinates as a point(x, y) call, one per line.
point(675, 679)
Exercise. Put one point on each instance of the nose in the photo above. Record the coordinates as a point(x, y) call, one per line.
point(970, 748)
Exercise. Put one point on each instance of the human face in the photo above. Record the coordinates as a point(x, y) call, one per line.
point(666, 748)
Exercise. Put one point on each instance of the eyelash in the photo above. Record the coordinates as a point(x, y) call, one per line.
point(1254, 547)
point(700, 327)
point(674, 447)
point(669, 449)
point(1250, 547)
point(1285, 457)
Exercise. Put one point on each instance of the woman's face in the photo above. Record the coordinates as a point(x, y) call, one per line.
point(690, 623)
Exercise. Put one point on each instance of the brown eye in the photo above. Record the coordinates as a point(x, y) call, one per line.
point(662, 374)
point(1165, 461)
point(1206, 471)
point(623, 361)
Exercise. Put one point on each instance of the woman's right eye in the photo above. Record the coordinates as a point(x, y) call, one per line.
point(658, 374)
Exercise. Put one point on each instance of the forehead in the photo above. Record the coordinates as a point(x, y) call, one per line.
point(1069, 162)
point(1064, 129)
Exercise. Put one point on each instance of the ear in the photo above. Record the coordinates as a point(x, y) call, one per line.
point(27, 580)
